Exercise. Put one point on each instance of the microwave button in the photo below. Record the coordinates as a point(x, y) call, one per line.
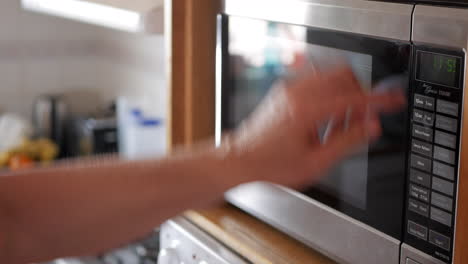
point(420, 178)
point(441, 216)
point(447, 123)
point(418, 207)
point(439, 240)
point(414, 194)
point(413, 205)
point(428, 119)
point(410, 261)
point(445, 139)
point(442, 186)
point(418, 116)
point(419, 100)
point(419, 192)
point(423, 117)
point(420, 163)
point(421, 148)
point(417, 230)
point(444, 171)
point(446, 107)
point(442, 201)
point(429, 103)
point(424, 197)
point(422, 132)
point(444, 155)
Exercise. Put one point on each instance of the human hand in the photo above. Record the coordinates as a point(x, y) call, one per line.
point(280, 141)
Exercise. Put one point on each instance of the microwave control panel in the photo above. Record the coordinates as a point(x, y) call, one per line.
point(436, 97)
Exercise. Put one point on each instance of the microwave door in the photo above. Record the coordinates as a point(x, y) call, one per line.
point(368, 186)
point(358, 206)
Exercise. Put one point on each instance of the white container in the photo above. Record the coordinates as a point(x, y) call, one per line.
point(141, 135)
point(13, 130)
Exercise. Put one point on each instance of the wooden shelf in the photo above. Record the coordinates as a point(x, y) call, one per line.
point(253, 239)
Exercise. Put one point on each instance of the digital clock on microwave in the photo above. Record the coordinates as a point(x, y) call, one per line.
point(439, 69)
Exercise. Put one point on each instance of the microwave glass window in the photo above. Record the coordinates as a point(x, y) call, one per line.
point(261, 54)
point(257, 55)
point(438, 69)
point(348, 180)
point(323, 58)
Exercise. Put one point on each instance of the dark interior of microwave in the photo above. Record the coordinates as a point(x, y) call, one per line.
point(368, 186)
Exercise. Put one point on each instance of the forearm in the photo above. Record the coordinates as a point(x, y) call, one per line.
point(89, 208)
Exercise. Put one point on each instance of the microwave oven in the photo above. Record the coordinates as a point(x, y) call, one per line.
point(403, 199)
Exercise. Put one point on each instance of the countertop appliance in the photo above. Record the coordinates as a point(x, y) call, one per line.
point(92, 136)
point(397, 200)
point(49, 116)
point(184, 242)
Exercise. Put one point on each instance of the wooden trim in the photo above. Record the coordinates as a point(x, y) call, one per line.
point(191, 28)
point(461, 236)
point(253, 239)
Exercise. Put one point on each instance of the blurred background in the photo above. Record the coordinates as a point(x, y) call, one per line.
point(63, 82)
point(71, 89)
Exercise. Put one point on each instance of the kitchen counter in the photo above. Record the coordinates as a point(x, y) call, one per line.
point(253, 239)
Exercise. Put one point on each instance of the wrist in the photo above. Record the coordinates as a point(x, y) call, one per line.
point(234, 163)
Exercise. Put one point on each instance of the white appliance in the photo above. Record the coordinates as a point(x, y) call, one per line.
point(183, 242)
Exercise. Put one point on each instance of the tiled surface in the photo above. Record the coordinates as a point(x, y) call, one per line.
point(41, 54)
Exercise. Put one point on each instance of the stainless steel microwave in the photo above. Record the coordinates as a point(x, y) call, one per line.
point(403, 199)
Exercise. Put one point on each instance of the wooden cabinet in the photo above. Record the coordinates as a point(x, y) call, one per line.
point(191, 37)
point(461, 236)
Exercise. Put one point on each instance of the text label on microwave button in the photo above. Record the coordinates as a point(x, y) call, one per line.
point(418, 207)
point(420, 178)
point(423, 117)
point(418, 100)
point(417, 230)
point(421, 148)
point(420, 163)
point(425, 102)
point(439, 240)
point(419, 192)
point(422, 132)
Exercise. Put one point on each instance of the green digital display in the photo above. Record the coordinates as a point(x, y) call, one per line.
point(439, 69)
point(447, 64)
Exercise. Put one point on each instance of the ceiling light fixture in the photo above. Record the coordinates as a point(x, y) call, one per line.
point(137, 18)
